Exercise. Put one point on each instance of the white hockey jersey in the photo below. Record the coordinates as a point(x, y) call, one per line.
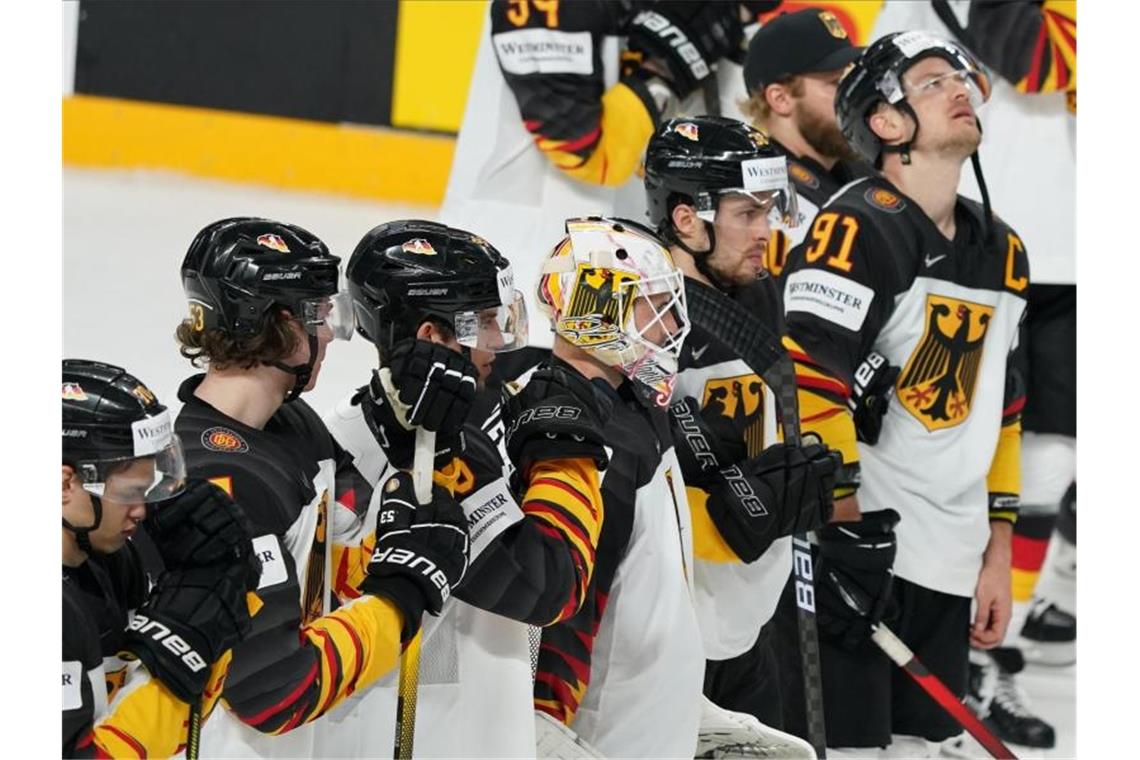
point(734, 599)
point(639, 636)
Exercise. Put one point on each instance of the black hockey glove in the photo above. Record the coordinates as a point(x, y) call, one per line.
point(421, 551)
point(704, 442)
point(396, 440)
point(784, 490)
point(861, 554)
point(874, 383)
point(802, 480)
point(436, 384)
point(200, 527)
point(556, 416)
point(190, 619)
point(688, 38)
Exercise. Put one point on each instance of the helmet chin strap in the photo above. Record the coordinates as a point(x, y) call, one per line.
point(701, 258)
point(83, 535)
point(903, 149)
point(301, 372)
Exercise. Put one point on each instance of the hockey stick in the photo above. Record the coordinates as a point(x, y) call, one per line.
point(902, 656)
point(422, 467)
point(194, 730)
point(760, 348)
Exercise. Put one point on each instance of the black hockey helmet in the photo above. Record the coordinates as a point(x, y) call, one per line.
point(697, 159)
point(238, 270)
point(406, 271)
point(877, 77)
point(110, 420)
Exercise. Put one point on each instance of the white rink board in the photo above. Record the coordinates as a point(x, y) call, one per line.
point(124, 236)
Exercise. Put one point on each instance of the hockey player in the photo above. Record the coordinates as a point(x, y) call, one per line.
point(264, 305)
point(793, 66)
point(439, 304)
point(559, 115)
point(717, 191)
point(901, 265)
point(625, 672)
point(1032, 47)
point(121, 457)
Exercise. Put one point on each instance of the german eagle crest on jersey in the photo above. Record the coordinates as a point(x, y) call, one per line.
point(937, 384)
point(741, 400)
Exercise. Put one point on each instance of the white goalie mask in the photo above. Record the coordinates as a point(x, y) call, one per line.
point(611, 288)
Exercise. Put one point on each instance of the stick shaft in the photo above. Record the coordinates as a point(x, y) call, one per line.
point(901, 654)
point(423, 466)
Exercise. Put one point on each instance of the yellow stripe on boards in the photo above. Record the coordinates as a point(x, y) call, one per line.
point(367, 162)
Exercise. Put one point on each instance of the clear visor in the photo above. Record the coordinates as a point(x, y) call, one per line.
point(329, 317)
point(137, 480)
point(496, 329)
point(737, 208)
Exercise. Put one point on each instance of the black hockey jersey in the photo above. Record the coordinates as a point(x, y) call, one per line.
point(875, 273)
point(301, 658)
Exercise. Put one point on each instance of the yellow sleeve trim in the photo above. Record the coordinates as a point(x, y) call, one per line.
point(830, 422)
point(1005, 469)
point(145, 720)
point(625, 129)
point(708, 544)
point(366, 635)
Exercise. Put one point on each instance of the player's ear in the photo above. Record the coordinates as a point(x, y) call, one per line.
point(888, 123)
point(685, 220)
point(779, 98)
point(68, 475)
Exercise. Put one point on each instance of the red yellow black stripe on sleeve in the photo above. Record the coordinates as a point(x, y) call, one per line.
point(1054, 64)
point(823, 403)
point(345, 651)
point(609, 153)
point(564, 496)
point(563, 672)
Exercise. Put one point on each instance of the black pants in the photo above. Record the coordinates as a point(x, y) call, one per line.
point(748, 683)
point(866, 696)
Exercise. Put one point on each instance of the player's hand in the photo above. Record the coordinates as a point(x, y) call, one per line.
point(862, 554)
point(421, 550)
point(688, 38)
point(993, 604)
point(395, 438)
point(203, 526)
point(190, 619)
point(871, 391)
point(802, 478)
point(434, 385)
